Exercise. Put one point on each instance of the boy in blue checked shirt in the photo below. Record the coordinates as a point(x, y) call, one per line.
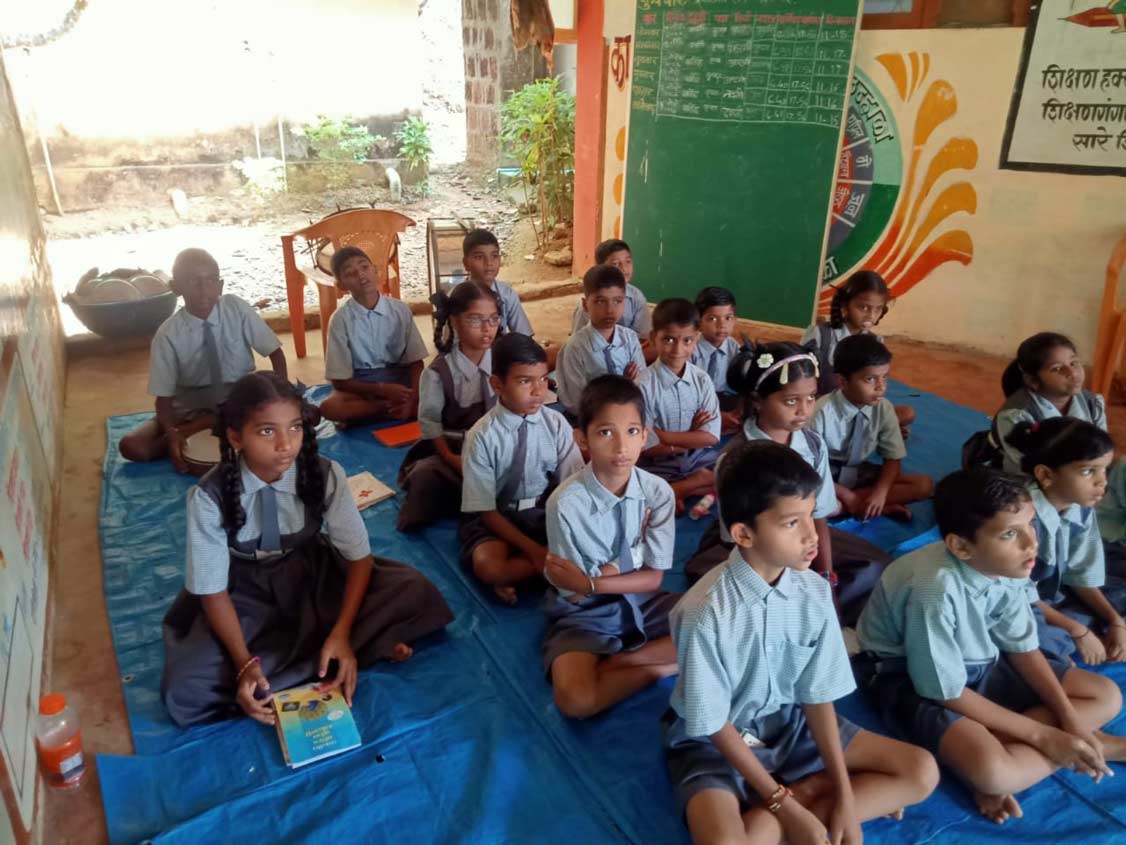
point(681, 404)
point(856, 420)
point(933, 636)
point(610, 532)
point(374, 353)
point(716, 349)
point(603, 345)
point(512, 459)
point(754, 747)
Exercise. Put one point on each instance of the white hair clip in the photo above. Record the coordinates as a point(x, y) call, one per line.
point(774, 367)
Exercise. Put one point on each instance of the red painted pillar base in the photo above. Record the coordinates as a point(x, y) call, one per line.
point(590, 127)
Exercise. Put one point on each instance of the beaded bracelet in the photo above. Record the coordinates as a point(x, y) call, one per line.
point(246, 666)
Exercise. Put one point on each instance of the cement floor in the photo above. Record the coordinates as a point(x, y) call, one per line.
point(80, 657)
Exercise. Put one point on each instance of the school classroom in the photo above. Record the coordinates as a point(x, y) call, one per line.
point(793, 509)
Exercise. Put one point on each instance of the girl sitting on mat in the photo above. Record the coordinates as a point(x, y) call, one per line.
point(280, 582)
point(1069, 460)
point(777, 383)
point(1045, 380)
point(453, 394)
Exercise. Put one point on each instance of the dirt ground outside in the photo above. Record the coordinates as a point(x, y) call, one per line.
point(242, 230)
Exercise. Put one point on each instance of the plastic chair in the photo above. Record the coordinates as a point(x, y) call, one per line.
point(375, 231)
point(1111, 342)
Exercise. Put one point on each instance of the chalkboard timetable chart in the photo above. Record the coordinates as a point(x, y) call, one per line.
point(743, 67)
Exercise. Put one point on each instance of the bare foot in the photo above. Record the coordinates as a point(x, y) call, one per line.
point(401, 652)
point(899, 513)
point(506, 595)
point(1114, 747)
point(997, 808)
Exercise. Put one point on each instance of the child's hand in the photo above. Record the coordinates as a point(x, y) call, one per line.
point(176, 441)
point(1116, 643)
point(730, 421)
point(844, 826)
point(566, 575)
point(874, 506)
point(701, 419)
point(338, 648)
point(1077, 750)
point(253, 681)
point(1090, 648)
point(800, 825)
point(632, 371)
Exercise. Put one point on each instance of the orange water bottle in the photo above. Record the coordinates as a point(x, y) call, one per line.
point(59, 741)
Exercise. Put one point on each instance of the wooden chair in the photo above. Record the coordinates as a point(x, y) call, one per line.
point(1111, 342)
point(375, 231)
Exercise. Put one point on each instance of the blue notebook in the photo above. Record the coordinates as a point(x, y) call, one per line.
point(314, 725)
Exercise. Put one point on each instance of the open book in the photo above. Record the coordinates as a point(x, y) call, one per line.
point(313, 725)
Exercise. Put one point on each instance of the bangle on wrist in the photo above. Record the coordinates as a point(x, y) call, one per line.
point(1117, 625)
point(774, 802)
point(1086, 631)
point(246, 666)
point(593, 586)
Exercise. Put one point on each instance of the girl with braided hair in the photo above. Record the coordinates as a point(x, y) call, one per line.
point(280, 583)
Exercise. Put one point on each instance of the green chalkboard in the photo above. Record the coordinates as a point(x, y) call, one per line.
point(735, 121)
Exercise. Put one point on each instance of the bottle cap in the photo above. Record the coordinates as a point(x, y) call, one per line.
point(51, 704)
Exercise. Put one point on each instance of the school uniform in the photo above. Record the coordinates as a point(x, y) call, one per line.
point(196, 361)
point(286, 580)
point(751, 654)
point(510, 464)
point(1029, 406)
point(857, 562)
point(592, 527)
point(823, 339)
point(587, 355)
point(935, 626)
point(453, 393)
point(671, 401)
point(512, 316)
point(853, 434)
point(714, 360)
point(1111, 513)
point(635, 314)
point(376, 345)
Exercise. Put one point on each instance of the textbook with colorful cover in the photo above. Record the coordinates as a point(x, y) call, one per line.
point(314, 725)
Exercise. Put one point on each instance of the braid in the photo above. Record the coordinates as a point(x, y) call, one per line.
point(836, 318)
point(501, 328)
point(230, 496)
point(310, 474)
point(443, 331)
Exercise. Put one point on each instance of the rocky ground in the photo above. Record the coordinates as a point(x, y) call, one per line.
point(243, 232)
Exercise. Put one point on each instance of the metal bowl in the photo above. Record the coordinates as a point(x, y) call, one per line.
point(124, 319)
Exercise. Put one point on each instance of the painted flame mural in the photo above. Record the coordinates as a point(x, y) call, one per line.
point(898, 211)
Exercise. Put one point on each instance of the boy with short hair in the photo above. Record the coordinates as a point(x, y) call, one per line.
point(933, 634)
point(196, 355)
point(480, 252)
point(635, 310)
point(856, 420)
point(681, 405)
point(375, 352)
point(754, 747)
point(512, 458)
point(716, 349)
point(603, 345)
point(610, 530)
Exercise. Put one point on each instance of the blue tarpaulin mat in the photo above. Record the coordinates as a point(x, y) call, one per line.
point(462, 743)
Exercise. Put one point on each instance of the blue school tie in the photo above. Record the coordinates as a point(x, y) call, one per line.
point(608, 357)
point(214, 366)
point(270, 539)
point(856, 451)
point(487, 396)
point(515, 477)
point(625, 554)
point(713, 366)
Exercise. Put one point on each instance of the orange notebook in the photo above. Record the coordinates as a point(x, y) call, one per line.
point(399, 435)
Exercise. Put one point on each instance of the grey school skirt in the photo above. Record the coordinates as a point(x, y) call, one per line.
point(789, 752)
point(604, 624)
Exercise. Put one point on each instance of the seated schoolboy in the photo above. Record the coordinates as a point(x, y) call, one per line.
point(513, 457)
point(196, 355)
point(603, 345)
point(453, 394)
point(1068, 460)
point(856, 420)
point(1111, 512)
point(375, 352)
point(635, 311)
point(755, 749)
point(681, 405)
point(610, 531)
point(716, 349)
point(950, 654)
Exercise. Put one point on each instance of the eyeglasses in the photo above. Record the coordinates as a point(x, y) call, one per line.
point(476, 321)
